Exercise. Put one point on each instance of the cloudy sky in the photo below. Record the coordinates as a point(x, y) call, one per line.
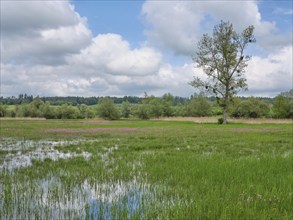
point(117, 48)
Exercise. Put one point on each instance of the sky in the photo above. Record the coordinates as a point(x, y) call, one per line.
point(126, 48)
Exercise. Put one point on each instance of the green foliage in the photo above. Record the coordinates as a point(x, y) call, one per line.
point(35, 108)
point(250, 108)
point(3, 110)
point(125, 109)
point(142, 112)
point(199, 107)
point(167, 102)
point(67, 112)
point(85, 111)
point(107, 109)
point(155, 107)
point(38, 109)
point(23, 110)
point(48, 111)
point(283, 107)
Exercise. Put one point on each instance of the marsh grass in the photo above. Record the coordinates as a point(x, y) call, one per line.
point(160, 170)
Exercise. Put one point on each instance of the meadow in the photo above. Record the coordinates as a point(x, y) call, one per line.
point(152, 169)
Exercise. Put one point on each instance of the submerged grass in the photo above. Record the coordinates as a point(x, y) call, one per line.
point(162, 169)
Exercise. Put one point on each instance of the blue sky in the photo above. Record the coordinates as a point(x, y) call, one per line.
point(117, 48)
point(114, 17)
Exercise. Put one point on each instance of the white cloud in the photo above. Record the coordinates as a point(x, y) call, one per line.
point(180, 24)
point(109, 53)
point(127, 71)
point(41, 32)
point(19, 16)
point(271, 75)
point(48, 50)
point(172, 24)
point(276, 42)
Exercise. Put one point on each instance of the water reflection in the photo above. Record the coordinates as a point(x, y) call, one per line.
point(22, 153)
point(52, 199)
point(55, 197)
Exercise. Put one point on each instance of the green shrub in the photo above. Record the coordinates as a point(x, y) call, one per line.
point(250, 108)
point(199, 107)
point(107, 109)
point(283, 107)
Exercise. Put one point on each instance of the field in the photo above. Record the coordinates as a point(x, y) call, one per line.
point(155, 169)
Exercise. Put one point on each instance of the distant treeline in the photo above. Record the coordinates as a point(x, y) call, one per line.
point(76, 100)
point(143, 108)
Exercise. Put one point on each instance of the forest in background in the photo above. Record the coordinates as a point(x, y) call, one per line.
point(145, 107)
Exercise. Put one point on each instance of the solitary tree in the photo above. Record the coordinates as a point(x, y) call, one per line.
point(221, 56)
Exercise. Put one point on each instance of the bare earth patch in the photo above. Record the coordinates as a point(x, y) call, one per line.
point(97, 121)
point(22, 118)
point(242, 120)
point(91, 130)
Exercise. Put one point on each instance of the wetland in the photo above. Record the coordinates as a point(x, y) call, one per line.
point(154, 169)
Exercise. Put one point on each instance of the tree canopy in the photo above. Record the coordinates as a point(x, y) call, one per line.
point(221, 57)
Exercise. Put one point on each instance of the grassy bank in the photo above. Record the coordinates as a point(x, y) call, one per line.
point(146, 170)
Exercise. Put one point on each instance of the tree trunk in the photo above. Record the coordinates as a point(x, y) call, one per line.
point(225, 115)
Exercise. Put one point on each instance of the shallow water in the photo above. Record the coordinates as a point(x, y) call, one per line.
point(22, 153)
point(50, 198)
point(55, 198)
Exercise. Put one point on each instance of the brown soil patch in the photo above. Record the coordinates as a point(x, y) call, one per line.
point(97, 121)
point(22, 118)
point(91, 130)
point(262, 121)
point(194, 119)
point(215, 120)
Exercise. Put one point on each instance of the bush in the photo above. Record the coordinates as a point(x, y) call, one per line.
point(220, 121)
point(3, 110)
point(199, 107)
point(23, 110)
point(143, 112)
point(126, 110)
point(250, 108)
point(67, 112)
point(48, 111)
point(167, 101)
point(107, 109)
point(283, 107)
point(85, 111)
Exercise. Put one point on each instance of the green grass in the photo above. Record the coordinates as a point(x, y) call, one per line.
point(159, 169)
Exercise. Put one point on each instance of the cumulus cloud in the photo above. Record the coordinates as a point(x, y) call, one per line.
point(48, 50)
point(270, 75)
point(110, 54)
point(41, 32)
point(110, 62)
point(180, 24)
point(172, 24)
point(20, 16)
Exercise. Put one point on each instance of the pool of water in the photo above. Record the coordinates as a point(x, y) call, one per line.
point(55, 198)
point(22, 153)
